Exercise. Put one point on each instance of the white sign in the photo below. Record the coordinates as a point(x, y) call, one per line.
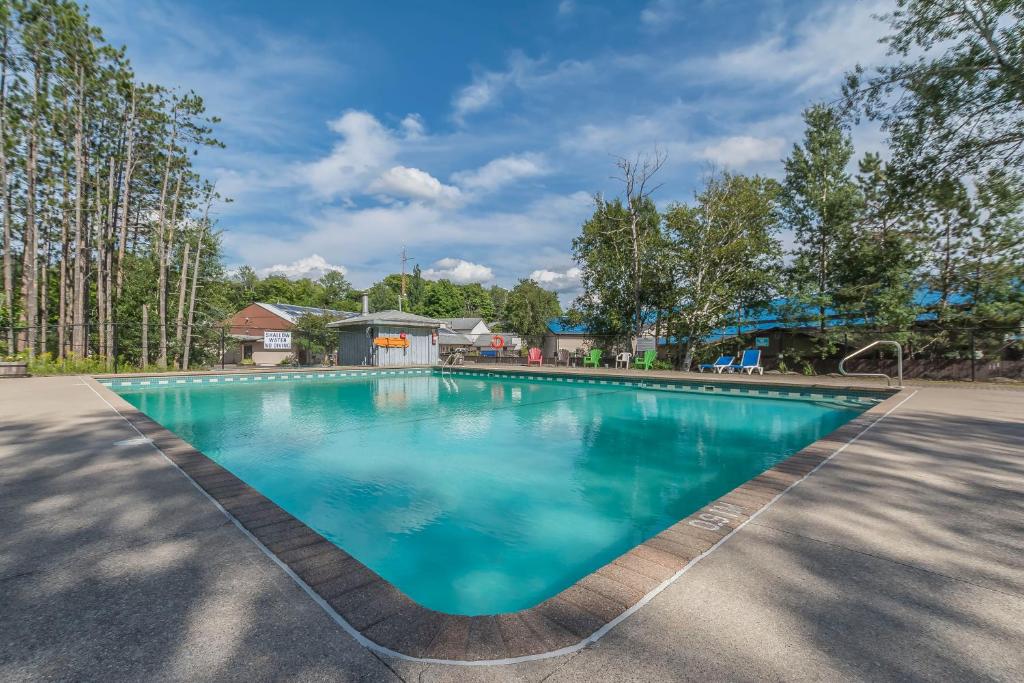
point(277, 341)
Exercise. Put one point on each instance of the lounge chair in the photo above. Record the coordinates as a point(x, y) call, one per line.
point(751, 361)
point(623, 359)
point(593, 358)
point(646, 361)
point(563, 357)
point(723, 363)
point(534, 355)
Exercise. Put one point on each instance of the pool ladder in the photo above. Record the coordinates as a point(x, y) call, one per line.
point(454, 358)
point(888, 379)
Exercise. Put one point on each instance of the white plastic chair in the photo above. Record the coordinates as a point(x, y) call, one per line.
point(623, 359)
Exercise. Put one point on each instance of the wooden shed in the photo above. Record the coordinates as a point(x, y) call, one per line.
point(388, 339)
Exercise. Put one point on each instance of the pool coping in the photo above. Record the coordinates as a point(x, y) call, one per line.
point(383, 618)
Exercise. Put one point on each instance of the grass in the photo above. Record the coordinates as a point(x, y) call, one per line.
point(72, 364)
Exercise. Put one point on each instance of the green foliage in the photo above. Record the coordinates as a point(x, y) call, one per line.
point(443, 300)
point(46, 364)
point(875, 277)
point(528, 310)
point(604, 253)
point(477, 302)
point(313, 333)
point(382, 297)
point(723, 254)
point(951, 102)
point(819, 202)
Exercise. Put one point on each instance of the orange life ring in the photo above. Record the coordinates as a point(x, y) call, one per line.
point(497, 341)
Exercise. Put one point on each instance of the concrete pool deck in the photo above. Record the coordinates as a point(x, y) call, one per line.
point(897, 559)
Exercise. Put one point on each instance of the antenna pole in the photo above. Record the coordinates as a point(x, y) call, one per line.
point(405, 259)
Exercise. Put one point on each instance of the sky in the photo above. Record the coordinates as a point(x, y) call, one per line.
point(477, 133)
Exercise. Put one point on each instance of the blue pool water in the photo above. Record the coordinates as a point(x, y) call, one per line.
point(481, 495)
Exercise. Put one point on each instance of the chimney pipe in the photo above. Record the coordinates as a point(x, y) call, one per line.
point(366, 303)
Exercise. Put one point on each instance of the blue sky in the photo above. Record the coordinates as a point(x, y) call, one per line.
point(476, 133)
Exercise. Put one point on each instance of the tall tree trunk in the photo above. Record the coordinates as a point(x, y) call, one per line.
point(30, 257)
point(101, 312)
point(129, 169)
point(182, 282)
point(108, 258)
point(79, 334)
point(65, 252)
point(161, 246)
point(145, 336)
point(5, 202)
point(44, 297)
point(166, 235)
point(192, 302)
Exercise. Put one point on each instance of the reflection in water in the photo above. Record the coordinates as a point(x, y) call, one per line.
point(484, 495)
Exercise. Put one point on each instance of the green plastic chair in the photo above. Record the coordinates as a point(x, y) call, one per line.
point(593, 358)
point(646, 361)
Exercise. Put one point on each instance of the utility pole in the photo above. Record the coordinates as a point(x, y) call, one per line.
point(405, 259)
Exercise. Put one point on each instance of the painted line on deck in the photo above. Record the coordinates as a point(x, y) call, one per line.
point(570, 649)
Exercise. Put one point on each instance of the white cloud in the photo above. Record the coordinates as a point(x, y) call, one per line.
point(412, 126)
point(459, 270)
point(559, 281)
point(484, 91)
point(814, 53)
point(366, 147)
point(502, 171)
point(741, 150)
point(566, 7)
point(402, 181)
point(369, 236)
point(311, 266)
point(658, 14)
point(522, 73)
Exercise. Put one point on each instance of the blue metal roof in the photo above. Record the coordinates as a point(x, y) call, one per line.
point(558, 326)
point(768, 318)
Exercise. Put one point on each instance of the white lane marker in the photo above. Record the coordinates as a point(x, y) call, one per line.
point(136, 441)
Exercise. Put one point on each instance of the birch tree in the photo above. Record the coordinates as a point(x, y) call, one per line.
point(724, 255)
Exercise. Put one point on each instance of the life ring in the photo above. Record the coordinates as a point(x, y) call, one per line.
point(497, 341)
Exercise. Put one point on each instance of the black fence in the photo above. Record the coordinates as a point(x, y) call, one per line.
point(119, 347)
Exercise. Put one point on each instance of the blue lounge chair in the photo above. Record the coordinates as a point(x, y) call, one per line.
point(718, 366)
point(751, 361)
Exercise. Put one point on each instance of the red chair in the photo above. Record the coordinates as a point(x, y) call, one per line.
point(534, 356)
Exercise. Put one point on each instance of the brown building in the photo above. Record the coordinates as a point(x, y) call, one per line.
point(248, 330)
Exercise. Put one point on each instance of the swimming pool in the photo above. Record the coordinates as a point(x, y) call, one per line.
point(478, 494)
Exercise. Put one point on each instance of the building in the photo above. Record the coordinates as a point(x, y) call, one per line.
point(249, 341)
point(577, 340)
point(472, 328)
point(451, 341)
point(387, 339)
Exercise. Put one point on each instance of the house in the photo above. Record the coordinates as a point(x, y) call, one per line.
point(248, 332)
point(577, 339)
point(450, 341)
point(387, 339)
point(472, 328)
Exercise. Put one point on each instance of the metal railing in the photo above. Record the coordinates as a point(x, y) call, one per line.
point(454, 358)
point(888, 379)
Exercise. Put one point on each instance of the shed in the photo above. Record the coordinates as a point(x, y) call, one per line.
point(387, 339)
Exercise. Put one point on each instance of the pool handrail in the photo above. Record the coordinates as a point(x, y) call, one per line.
point(888, 379)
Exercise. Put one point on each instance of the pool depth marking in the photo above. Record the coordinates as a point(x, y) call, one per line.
point(719, 519)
